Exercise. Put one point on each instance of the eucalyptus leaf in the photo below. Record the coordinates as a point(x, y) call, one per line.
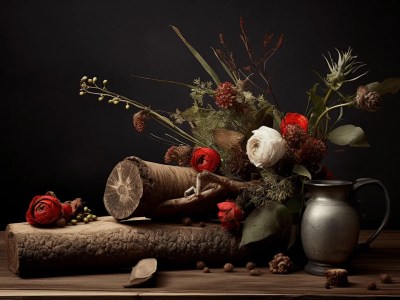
point(265, 220)
point(348, 135)
point(197, 55)
point(301, 170)
point(389, 85)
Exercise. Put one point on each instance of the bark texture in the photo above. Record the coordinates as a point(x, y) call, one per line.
point(136, 187)
point(108, 244)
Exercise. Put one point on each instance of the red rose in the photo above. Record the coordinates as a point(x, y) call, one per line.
point(44, 210)
point(205, 159)
point(230, 215)
point(294, 119)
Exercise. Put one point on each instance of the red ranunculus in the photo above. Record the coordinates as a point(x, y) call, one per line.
point(205, 159)
point(230, 215)
point(44, 210)
point(294, 119)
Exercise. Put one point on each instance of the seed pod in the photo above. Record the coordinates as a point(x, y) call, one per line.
point(142, 272)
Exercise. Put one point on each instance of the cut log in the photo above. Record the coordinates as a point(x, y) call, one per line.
point(107, 244)
point(136, 187)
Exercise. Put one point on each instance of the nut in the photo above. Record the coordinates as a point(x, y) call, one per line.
point(255, 272)
point(385, 278)
point(187, 221)
point(200, 265)
point(228, 267)
point(250, 265)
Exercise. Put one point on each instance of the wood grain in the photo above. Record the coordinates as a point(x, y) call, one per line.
point(383, 256)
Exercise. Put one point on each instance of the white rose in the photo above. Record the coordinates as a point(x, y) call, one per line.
point(265, 147)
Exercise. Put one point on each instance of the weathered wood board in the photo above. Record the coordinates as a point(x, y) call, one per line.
point(107, 244)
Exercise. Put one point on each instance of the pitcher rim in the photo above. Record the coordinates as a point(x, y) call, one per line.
point(328, 182)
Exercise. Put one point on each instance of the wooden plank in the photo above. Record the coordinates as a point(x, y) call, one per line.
point(384, 256)
point(108, 244)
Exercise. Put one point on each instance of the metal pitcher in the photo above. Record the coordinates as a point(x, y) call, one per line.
point(330, 225)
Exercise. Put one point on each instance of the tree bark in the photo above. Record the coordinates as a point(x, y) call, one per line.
point(136, 187)
point(107, 244)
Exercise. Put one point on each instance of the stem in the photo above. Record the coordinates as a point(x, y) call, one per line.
point(328, 95)
point(96, 90)
point(328, 110)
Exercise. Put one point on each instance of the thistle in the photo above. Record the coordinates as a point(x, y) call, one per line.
point(342, 70)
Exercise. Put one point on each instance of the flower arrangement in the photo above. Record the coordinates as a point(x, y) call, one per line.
point(239, 131)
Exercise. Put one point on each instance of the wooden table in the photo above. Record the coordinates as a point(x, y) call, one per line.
point(383, 257)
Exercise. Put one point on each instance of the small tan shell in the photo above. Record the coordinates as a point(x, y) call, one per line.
point(143, 271)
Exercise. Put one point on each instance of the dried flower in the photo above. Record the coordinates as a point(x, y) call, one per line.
point(340, 71)
point(230, 215)
point(180, 155)
point(367, 100)
point(265, 147)
point(225, 95)
point(139, 120)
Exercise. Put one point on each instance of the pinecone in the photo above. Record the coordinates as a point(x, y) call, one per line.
point(225, 95)
point(336, 277)
point(367, 100)
point(280, 264)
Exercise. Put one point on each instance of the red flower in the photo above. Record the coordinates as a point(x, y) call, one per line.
point(225, 94)
point(294, 119)
point(44, 210)
point(230, 215)
point(205, 159)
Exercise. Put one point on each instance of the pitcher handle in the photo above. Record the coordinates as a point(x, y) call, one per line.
point(362, 182)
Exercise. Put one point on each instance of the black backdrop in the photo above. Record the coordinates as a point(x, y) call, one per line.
point(54, 139)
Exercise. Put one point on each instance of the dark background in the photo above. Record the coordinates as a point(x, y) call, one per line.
point(54, 139)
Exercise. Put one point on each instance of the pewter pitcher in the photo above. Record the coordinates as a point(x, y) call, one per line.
point(330, 225)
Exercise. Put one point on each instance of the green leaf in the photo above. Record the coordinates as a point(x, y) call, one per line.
point(197, 55)
point(265, 220)
point(301, 170)
point(318, 106)
point(348, 135)
point(389, 85)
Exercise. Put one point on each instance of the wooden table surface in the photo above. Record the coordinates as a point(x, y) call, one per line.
point(383, 257)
